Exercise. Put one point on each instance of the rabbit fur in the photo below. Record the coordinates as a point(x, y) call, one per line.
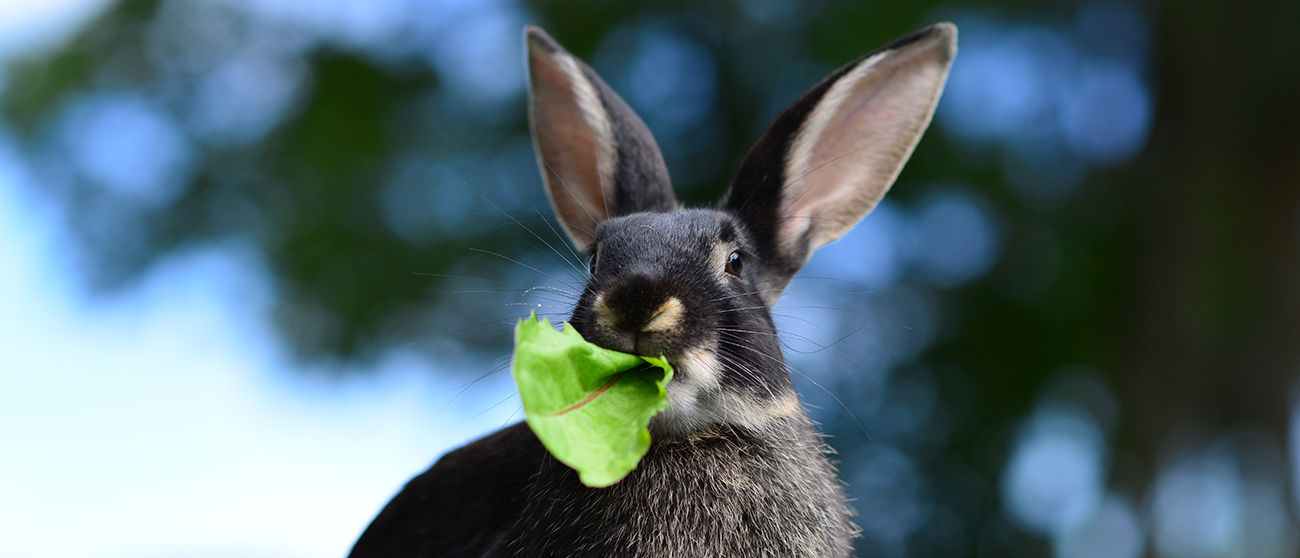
point(736, 468)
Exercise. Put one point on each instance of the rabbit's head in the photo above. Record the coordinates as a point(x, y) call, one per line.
point(697, 285)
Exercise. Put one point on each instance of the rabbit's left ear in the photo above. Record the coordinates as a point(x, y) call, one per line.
point(598, 159)
point(830, 156)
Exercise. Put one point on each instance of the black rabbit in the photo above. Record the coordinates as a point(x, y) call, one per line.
point(736, 468)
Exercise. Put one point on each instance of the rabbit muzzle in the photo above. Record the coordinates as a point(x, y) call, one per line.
point(640, 316)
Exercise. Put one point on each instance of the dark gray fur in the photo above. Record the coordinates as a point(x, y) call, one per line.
point(640, 163)
point(718, 492)
point(739, 470)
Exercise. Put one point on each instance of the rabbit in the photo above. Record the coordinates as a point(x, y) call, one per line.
point(736, 467)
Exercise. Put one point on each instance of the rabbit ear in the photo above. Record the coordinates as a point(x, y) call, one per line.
point(597, 157)
point(830, 156)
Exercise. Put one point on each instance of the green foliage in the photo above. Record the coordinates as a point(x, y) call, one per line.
point(44, 80)
point(1171, 273)
point(336, 252)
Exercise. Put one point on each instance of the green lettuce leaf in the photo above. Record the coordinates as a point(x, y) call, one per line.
point(588, 405)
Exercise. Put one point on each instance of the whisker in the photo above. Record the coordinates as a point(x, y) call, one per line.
point(790, 368)
point(522, 287)
point(511, 419)
point(576, 200)
point(846, 408)
point(464, 388)
point(536, 305)
point(522, 293)
point(530, 231)
point(841, 309)
point(494, 405)
point(517, 262)
point(539, 212)
point(745, 368)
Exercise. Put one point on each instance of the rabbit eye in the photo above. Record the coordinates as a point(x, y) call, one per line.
point(735, 263)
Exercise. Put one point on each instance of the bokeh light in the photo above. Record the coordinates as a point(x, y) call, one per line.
point(262, 260)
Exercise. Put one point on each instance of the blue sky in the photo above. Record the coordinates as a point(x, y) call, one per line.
point(167, 422)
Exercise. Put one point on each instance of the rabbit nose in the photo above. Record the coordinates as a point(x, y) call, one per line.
point(639, 305)
point(661, 319)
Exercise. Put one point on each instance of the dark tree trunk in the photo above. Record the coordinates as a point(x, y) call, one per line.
point(1216, 304)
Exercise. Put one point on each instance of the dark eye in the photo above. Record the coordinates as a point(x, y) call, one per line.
point(595, 254)
point(735, 263)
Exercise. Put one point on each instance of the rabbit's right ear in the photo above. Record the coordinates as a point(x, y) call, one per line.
point(831, 155)
point(598, 159)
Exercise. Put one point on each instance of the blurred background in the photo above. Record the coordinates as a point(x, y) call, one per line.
point(261, 260)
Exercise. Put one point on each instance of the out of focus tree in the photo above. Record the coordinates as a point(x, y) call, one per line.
point(1212, 321)
point(1077, 317)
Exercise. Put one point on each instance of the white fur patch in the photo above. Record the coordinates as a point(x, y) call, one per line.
point(696, 399)
point(696, 374)
point(604, 314)
point(667, 317)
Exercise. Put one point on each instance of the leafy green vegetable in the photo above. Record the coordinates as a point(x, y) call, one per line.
point(588, 405)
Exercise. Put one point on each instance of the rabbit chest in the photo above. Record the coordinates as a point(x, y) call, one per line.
point(717, 492)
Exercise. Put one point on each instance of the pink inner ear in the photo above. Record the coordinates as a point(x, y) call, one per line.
point(566, 145)
point(856, 140)
point(849, 118)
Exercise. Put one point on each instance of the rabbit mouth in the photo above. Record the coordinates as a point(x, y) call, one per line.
point(649, 344)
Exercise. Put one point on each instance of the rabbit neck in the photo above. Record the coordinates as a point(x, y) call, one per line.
point(720, 491)
point(699, 399)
